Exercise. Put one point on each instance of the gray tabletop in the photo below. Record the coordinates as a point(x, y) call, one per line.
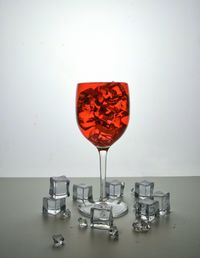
point(26, 233)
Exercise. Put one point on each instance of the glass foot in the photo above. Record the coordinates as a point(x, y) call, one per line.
point(119, 208)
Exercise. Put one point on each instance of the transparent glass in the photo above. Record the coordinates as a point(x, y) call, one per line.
point(102, 110)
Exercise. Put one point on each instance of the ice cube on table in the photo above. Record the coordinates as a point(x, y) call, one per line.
point(82, 192)
point(164, 201)
point(59, 187)
point(144, 189)
point(115, 189)
point(141, 226)
point(101, 217)
point(53, 206)
point(83, 224)
point(58, 240)
point(113, 233)
point(65, 214)
point(147, 209)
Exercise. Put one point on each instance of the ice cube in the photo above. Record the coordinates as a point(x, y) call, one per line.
point(58, 240)
point(147, 209)
point(82, 192)
point(65, 214)
point(59, 187)
point(83, 224)
point(113, 232)
point(164, 201)
point(101, 216)
point(141, 226)
point(144, 189)
point(115, 189)
point(53, 206)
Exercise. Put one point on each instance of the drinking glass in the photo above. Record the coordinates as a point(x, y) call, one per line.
point(102, 110)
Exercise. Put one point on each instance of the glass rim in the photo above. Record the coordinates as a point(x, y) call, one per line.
point(103, 82)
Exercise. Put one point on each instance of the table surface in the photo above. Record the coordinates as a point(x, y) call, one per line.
point(25, 232)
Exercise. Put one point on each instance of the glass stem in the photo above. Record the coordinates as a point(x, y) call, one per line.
point(103, 165)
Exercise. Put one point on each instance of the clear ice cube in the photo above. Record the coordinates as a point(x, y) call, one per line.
point(115, 189)
point(59, 187)
point(147, 209)
point(141, 226)
point(58, 240)
point(101, 217)
point(113, 233)
point(164, 201)
point(83, 224)
point(65, 214)
point(53, 206)
point(82, 192)
point(144, 189)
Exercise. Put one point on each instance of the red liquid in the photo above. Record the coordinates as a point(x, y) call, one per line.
point(102, 111)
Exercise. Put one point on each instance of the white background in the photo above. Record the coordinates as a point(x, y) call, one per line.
point(48, 46)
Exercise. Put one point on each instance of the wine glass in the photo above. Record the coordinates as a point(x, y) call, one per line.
point(102, 110)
